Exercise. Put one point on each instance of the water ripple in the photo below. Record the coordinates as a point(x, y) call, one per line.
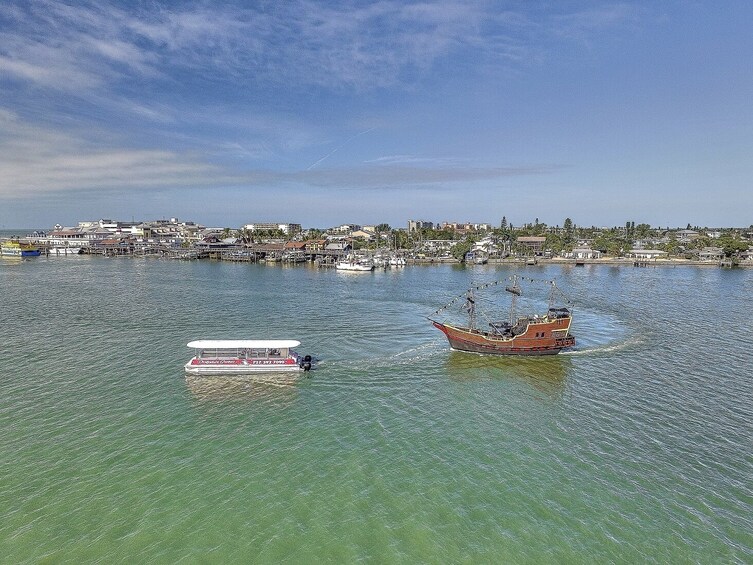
point(418, 453)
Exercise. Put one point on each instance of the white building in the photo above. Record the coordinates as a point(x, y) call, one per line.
point(111, 226)
point(345, 228)
point(287, 229)
point(486, 245)
point(438, 244)
point(585, 253)
point(711, 254)
point(647, 254)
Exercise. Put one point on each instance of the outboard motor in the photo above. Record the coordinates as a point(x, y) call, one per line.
point(306, 363)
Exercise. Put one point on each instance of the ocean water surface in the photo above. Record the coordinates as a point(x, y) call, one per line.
point(637, 446)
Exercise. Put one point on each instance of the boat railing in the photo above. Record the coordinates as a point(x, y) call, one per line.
point(241, 353)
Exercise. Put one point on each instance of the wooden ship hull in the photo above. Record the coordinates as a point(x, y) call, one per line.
point(548, 338)
point(527, 335)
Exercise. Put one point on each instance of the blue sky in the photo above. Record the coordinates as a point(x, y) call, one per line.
point(366, 112)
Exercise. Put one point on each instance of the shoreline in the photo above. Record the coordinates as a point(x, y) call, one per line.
point(524, 261)
point(610, 261)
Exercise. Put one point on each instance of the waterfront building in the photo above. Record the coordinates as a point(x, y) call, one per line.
point(91, 232)
point(486, 245)
point(111, 226)
point(647, 254)
point(343, 246)
point(711, 254)
point(214, 243)
point(534, 243)
point(584, 253)
point(73, 237)
point(295, 246)
point(315, 244)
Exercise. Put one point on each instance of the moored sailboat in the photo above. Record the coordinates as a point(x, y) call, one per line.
point(354, 263)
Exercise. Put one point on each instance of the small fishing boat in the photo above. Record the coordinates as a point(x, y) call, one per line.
point(546, 334)
point(246, 356)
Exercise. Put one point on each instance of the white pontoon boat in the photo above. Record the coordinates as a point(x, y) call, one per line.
point(245, 356)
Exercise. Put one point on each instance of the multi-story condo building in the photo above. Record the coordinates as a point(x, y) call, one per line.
point(287, 229)
point(417, 225)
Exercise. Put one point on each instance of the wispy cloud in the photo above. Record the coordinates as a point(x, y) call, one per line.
point(401, 176)
point(35, 161)
point(582, 24)
point(86, 76)
point(412, 160)
point(70, 48)
point(335, 45)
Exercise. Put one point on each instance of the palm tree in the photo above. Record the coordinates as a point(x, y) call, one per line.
point(246, 236)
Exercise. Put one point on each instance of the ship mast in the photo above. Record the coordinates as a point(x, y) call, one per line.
point(514, 289)
point(551, 294)
point(470, 306)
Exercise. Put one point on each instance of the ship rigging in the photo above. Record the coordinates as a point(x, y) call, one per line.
point(546, 334)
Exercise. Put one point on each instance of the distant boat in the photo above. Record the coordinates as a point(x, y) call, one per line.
point(246, 356)
point(380, 261)
point(354, 263)
point(16, 248)
point(546, 334)
point(63, 251)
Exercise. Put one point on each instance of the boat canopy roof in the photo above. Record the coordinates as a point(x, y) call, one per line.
point(244, 344)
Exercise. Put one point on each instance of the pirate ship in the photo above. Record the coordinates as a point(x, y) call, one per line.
point(531, 334)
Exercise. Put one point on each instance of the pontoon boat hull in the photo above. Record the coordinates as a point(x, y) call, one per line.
point(239, 367)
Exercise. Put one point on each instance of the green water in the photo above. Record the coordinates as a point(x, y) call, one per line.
point(635, 447)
